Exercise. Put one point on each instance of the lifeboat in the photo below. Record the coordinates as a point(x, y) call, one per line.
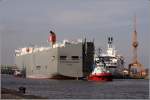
point(100, 73)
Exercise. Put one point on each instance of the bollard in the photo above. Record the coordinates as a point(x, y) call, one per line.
point(22, 90)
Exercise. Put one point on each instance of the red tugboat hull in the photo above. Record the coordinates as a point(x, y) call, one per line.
point(101, 77)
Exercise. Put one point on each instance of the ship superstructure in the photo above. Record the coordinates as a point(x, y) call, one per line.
point(114, 62)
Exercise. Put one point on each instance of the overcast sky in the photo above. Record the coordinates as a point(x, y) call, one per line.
point(25, 22)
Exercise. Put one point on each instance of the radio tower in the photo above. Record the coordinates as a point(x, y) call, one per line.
point(135, 65)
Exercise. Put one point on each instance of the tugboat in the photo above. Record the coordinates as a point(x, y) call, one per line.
point(100, 73)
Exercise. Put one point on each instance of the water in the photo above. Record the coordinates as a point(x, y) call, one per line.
point(79, 89)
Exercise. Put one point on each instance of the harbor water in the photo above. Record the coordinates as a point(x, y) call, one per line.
point(79, 89)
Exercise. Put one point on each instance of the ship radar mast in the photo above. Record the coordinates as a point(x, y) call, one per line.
point(111, 50)
point(110, 42)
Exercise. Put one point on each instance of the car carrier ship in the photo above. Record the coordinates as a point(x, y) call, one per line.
point(59, 60)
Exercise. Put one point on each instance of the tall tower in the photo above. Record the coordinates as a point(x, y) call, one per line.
point(135, 66)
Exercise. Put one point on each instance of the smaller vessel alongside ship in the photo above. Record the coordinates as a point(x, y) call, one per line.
point(114, 61)
point(100, 73)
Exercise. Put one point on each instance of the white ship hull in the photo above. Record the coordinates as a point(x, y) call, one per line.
point(65, 61)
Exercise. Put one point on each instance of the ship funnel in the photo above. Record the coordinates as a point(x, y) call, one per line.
point(52, 38)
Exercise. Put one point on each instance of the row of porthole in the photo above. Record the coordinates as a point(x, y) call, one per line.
point(65, 57)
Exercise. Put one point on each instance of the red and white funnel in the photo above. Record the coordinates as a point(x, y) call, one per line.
point(52, 38)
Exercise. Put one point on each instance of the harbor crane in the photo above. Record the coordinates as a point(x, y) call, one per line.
point(136, 69)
